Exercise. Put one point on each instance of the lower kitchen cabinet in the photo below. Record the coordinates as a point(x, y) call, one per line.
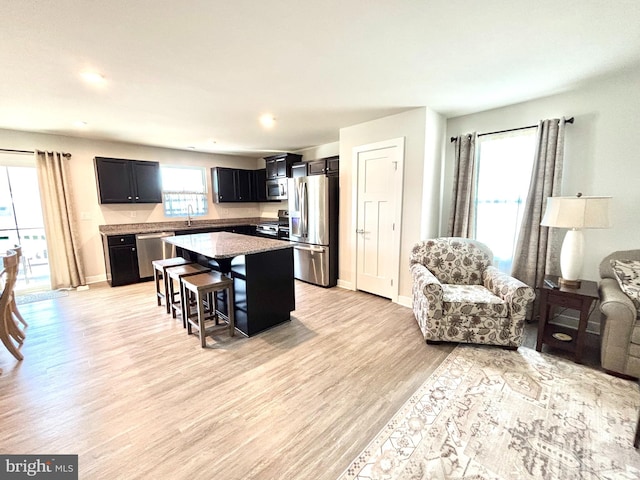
point(121, 259)
point(121, 255)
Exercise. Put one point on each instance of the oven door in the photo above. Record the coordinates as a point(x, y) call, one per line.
point(277, 189)
point(267, 230)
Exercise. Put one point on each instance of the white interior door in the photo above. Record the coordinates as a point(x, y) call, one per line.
point(379, 209)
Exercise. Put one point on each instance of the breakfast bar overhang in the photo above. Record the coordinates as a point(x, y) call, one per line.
point(261, 269)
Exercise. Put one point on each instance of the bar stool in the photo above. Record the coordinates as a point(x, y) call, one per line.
point(204, 287)
point(177, 273)
point(160, 273)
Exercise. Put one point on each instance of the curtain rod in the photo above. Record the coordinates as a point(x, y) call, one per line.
point(568, 120)
point(8, 150)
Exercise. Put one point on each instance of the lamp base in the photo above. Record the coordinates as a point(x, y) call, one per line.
point(572, 284)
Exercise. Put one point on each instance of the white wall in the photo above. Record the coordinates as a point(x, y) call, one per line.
point(85, 194)
point(319, 151)
point(601, 156)
point(412, 125)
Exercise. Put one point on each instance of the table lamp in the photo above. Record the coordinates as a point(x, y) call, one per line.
point(575, 213)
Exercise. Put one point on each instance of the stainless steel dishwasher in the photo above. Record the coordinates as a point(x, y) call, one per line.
point(151, 247)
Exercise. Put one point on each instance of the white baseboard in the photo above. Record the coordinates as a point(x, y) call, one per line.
point(405, 301)
point(346, 285)
point(96, 278)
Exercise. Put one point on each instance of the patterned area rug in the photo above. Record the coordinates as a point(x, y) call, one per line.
point(488, 413)
point(37, 296)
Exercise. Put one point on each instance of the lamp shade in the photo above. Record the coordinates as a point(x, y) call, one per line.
point(576, 212)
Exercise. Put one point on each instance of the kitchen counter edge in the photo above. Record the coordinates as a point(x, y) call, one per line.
point(154, 227)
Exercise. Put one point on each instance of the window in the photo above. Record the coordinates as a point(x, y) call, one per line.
point(181, 187)
point(504, 166)
point(21, 221)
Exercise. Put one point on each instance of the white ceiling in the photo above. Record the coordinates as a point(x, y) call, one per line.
point(181, 73)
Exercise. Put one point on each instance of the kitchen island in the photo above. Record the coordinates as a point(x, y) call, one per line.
point(261, 269)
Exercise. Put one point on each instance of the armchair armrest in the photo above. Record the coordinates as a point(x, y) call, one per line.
point(426, 284)
point(516, 293)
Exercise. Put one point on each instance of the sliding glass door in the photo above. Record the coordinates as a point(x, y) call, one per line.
point(21, 222)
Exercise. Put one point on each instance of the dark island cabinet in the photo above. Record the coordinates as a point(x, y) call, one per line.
point(264, 290)
point(128, 181)
point(121, 259)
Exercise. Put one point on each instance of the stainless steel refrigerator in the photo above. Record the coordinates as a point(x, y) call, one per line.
point(313, 227)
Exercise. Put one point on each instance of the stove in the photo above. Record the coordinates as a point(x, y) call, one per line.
point(275, 229)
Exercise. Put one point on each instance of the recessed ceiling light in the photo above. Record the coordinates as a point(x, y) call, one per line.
point(93, 78)
point(267, 120)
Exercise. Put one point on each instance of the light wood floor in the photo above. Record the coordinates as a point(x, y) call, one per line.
point(109, 376)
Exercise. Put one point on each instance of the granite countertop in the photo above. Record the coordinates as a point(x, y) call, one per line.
point(153, 227)
point(220, 245)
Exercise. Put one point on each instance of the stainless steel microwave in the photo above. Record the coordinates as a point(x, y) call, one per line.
point(277, 189)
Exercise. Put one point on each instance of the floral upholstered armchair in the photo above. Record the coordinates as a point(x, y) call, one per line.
point(458, 296)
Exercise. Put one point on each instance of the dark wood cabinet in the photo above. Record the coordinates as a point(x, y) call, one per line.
point(333, 166)
point(279, 166)
point(264, 290)
point(121, 259)
point(316, 167)
point(128, 181)
point(329, 166)
point(232, 185)
point(259, 185)
point(299, 169)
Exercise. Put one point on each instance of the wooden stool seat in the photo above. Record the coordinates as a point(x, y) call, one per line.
point(204, 287)
point(177, 273)
point(160, 273)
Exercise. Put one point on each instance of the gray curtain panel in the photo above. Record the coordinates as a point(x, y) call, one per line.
point(463, 210)
point(537, 248)
point(59, 223)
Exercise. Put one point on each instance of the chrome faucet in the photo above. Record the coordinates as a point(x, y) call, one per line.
point(189, 213)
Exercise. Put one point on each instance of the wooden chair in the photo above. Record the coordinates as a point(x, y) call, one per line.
point(204, 287)
point(14, 307)
point(176, 274)
point(9, 331)
point(160, 273)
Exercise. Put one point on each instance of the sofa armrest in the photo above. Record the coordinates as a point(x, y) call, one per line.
point(426, 284)
point(616, 326)
point(516, 293)
point(615, 303)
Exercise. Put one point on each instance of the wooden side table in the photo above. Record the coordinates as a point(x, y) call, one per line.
point(561, 337)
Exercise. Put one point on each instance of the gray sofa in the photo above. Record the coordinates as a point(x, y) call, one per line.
point(619, 323)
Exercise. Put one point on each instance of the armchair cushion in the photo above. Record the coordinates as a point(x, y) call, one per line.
point(472, 300)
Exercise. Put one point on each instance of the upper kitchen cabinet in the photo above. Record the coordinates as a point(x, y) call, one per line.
point(279, 166)
point(128, 181)
point(259, 185)
point(232, 185)
point(329, 166)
